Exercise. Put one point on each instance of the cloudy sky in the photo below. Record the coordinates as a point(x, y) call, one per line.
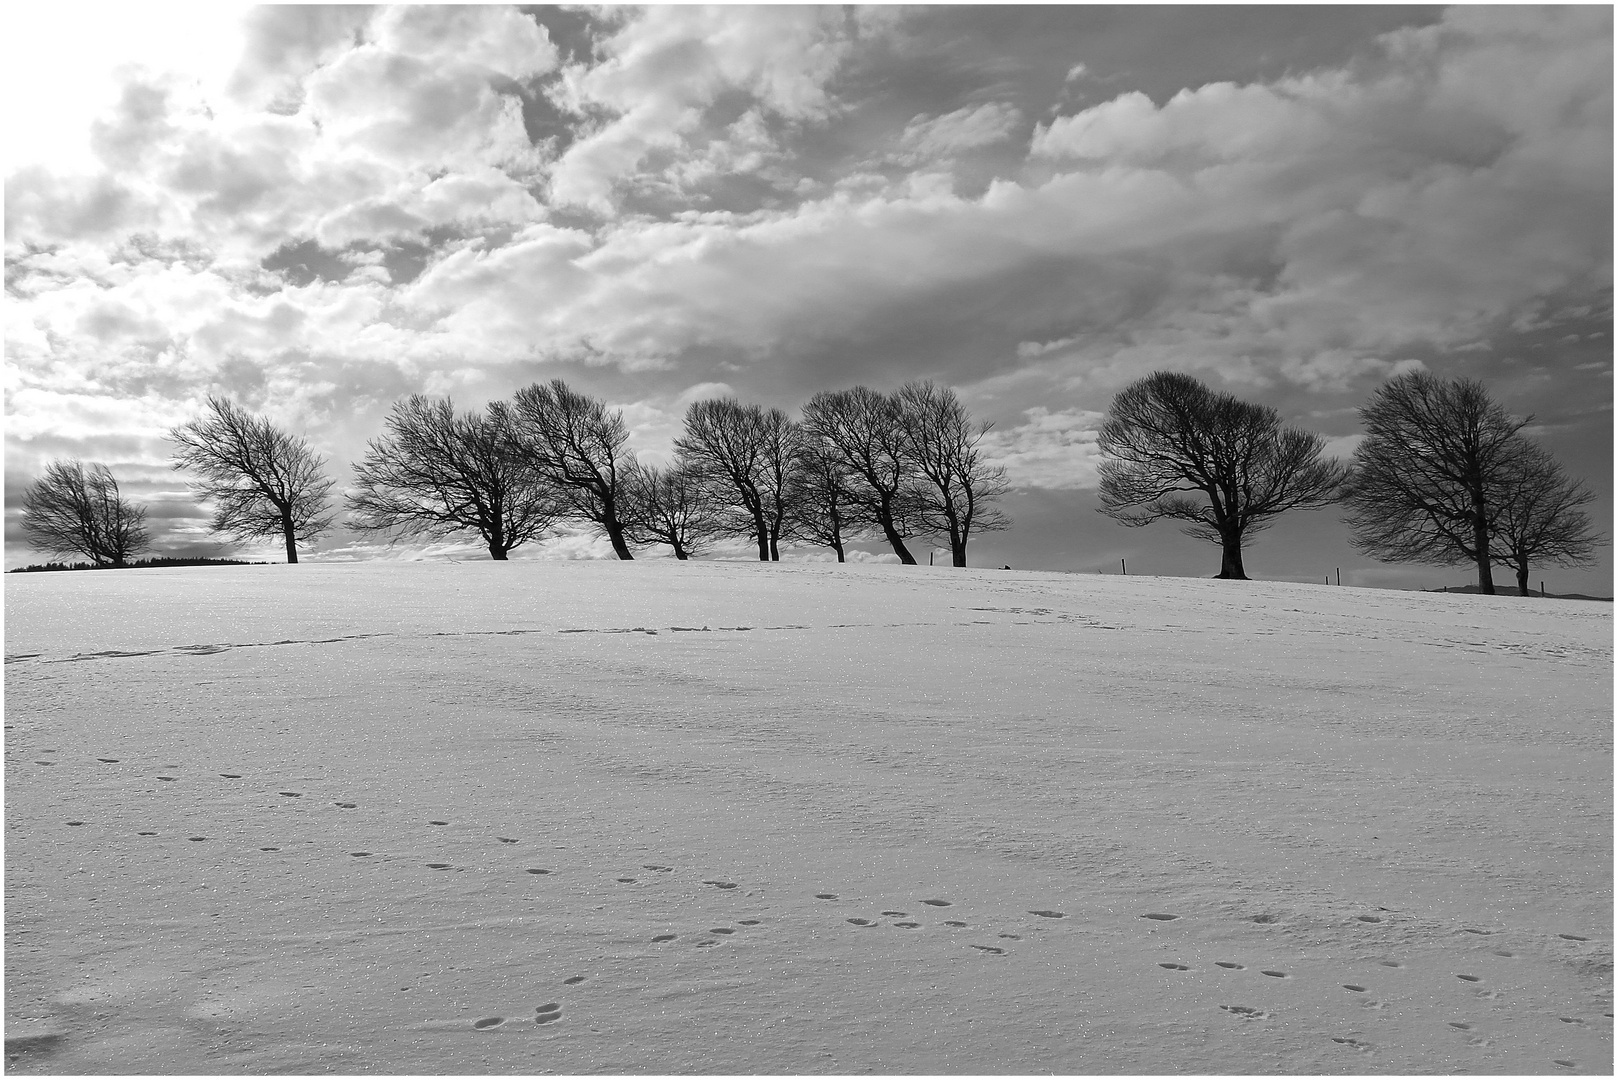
point(318, 210)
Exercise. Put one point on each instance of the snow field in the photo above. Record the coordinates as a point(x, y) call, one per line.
point(729, 818)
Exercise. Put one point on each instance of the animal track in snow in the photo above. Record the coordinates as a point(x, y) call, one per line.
point(1049, 914)
point(1159, 916)
point(937, 903)
point(721, 884)
point(1230, 965)
point(990, 949)
point(1246, 1012)
point(1174, 967)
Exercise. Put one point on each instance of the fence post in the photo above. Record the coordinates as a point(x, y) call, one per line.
point(1125, 566)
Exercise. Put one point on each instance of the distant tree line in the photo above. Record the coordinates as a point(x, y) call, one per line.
point(858, 465)
point(1443, 475)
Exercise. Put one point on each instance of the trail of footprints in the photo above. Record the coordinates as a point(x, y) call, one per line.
point(713, 937)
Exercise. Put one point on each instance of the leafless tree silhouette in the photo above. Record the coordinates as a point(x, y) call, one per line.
point(574, 442)
point(436, 474)
point(1176, 449)
point(865, 430)
point(262, 481)
point(1427, 477)
point(673, 506)
point(749, 453)
point(1538, 517)
point(74, 509)
point(961, 488)
point(823, 510)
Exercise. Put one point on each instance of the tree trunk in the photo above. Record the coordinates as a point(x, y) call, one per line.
point(838, 547)
point(615, 533)
point(1230, 562)
point(292, 541)
point(898, 543)
point(763, 533)
point(1522, 577)
point(497, 552)
point(1480, 545)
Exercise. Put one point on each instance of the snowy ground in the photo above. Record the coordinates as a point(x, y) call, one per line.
point(731, 818)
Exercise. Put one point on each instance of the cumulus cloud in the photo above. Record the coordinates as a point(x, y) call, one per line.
point(1051, 449)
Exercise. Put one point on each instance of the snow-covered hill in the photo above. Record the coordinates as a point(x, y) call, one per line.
point(720, 818)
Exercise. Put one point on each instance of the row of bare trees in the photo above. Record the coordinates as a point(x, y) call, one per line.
point(1443, 475)
point(860, 464)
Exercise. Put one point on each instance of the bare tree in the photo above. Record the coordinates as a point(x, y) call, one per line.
point(77, 510)
point(1427, 475)
point(261, 480)
point(1176, 449)
point(748, 452)
point(436, 474)
point(672, 506)
point(821, 498)
point(1538, 517)
point(865, 429)
point(962, 487)
point(578, 446)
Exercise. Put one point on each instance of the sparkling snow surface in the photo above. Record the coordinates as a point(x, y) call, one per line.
point(732, 818)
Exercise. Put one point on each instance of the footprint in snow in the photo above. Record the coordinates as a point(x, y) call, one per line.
point(107, 760)
point(347, 805)
point(953, 922)
point(664, 937)
point(907, 925)
point(288, 794)
point(438, 866)
point(75, 823)
point(1368, 918)
point(1159, 916)
point(1570, 1019)
point(937, 903)
point(1564, 1063)
point(894, 914)
point(818, 895)
point(360, 854)
point(990, 949)
point(1354, 988)
point(1469, 930)
point(862, 922)
point(625, 880)
point(1048, 914)
point(488, 1022)
point(196, 838)
point(721, 884)
point(659, 869)
point(53, 763)
point(1174, 967)
point(1572, 937)
point(723, 931)
point(505, 840)
point(1229, 965)
point(269, 849)
point(749, 922)
point(1355, 1043)
point(536, 870)
point(146, 834)
point(573, 981)
point(1277, 974)
point(1391, 963)
point(1469, 978)
point(1458, 1026)
point(226, 775)
point(1013, 937)
point(1246, 1012)
point(548, 1013)
point(438, 823)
